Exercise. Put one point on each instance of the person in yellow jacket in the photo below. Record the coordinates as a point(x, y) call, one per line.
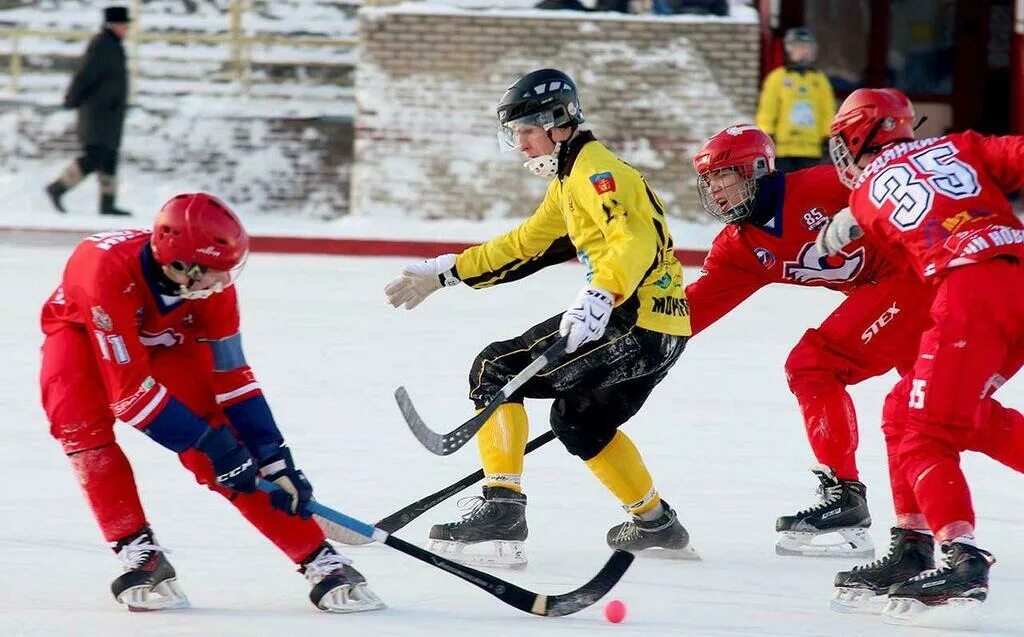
point(625, 329)
point(797, 104)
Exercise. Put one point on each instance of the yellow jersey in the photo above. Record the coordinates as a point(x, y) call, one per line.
point(600, 208)
point(796, 109)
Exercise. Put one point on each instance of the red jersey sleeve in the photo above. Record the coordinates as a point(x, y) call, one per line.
point(218, 326)
point(724, 283)
point(1002, 157)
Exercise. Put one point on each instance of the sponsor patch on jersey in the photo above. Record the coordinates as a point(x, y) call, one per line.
point(603, 182)
point(101, 319)
point(664, 281)
point(766, 258)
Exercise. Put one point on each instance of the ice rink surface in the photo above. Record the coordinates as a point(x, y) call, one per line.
point(722, 436)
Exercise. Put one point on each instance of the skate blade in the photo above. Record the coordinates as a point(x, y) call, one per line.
point(851, 542)
point(957, 613)
point(494, 554)
point(350, 599)
point(166, 595)
point(659, 553)
point(857, 601)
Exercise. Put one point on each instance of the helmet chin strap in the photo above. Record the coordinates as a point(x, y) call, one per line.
point(545, 166)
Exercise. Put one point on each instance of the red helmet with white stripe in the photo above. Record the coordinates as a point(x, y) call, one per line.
point(728, 166)
point(198, 236)
point(869, 120)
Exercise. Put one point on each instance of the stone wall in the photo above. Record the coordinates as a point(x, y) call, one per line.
point(298, 166)
point(652, 88)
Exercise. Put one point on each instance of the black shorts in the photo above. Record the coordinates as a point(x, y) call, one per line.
point(596, 388)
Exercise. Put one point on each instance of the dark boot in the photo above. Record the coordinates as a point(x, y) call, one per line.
point(108, 191)
point(55, 190)
point(68, 179)
point(107, 207)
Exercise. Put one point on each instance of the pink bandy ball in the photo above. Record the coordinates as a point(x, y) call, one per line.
point(615, 611)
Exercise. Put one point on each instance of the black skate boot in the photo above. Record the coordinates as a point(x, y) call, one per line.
point(960, 582)
point(843, 510)
point(499, 516)
point(662, 537)
point(864, 588)
point(337, 586)
point(149, 581)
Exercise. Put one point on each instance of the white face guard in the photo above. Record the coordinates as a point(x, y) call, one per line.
point(733, 202)
point(846, 167)
point(202, 281)
point(508, 138)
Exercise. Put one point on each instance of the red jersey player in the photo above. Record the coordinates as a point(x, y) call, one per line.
point(773, 220)
point(144, 328)
point(939, 205)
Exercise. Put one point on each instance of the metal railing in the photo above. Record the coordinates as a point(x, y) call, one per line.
point(239, 43)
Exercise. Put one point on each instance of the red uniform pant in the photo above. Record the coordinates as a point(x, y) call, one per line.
point(874, 330)
point(76, 405)
point(944, 405)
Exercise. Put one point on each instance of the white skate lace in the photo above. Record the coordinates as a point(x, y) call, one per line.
point(628, 531)
point(470, 505)
point(327, 563)
point(135, 553)
point(829, 496)
point(882, 561)
point(950, 555)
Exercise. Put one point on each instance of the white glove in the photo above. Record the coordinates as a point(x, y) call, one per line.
point(840, 230)
point(419, 280)
point(587, 318)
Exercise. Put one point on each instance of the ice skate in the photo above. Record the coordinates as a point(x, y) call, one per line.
point(337, 586)
point(149, 581)
point(491, 533)
point(835, 527)
point(664, 537)
point(949, 595)
point(865, 588)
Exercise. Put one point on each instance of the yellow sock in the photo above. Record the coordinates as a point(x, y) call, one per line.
point(620, 468)
point(502, 443)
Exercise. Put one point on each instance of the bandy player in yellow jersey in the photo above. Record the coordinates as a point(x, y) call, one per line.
point(625, 329)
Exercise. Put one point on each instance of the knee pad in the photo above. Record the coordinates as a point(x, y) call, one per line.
point(582, 436)
point(919, 452)
point(809, 369)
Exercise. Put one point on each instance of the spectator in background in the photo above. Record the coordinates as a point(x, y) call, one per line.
point(99, 90)
point(797, 104)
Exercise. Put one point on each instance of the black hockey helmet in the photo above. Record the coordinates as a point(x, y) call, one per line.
point(545, 98)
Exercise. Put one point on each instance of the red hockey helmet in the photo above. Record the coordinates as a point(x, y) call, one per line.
point(869, 120)
point(728, 166)
point(197, 235)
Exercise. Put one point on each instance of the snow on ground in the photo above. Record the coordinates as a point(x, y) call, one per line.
point(25, 205)
point(722, 437)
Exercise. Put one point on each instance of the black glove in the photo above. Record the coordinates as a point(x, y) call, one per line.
point(232, 463)
point(295, 491)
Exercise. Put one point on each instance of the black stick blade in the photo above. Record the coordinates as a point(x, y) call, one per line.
point(588, 594)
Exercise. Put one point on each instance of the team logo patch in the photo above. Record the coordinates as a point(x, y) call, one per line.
point(812, 266)
point(603, 182)
point(101, 319)
point(814, 219)
point(766, 258)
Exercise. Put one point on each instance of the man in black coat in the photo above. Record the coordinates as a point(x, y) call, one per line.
point(99, 90)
